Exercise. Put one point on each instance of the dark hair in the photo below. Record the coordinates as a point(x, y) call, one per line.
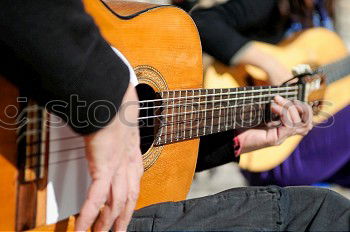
point(298, 10)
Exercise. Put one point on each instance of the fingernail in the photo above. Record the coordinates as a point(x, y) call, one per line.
point(278, 98)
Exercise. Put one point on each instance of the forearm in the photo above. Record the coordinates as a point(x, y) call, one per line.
point(215, 150)
point(60, 48)
point(251, 54)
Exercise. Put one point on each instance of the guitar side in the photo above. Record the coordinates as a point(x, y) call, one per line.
point(316, 47)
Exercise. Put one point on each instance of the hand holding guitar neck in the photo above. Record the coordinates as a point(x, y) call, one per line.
point(295, 118)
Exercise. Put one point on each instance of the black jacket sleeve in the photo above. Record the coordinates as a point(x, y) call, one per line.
point(216, 150)
point(56, 54)
point(225, 28)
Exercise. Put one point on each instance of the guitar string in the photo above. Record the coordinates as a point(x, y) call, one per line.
point(181, 114)
point(83, 147)
point(236, 91)
point(290, 95)
point(174, 132)
point(168, 124)
point(191, 129)
point(218, 100)
point(276, 89)
point(199, 111)
point(33, 132)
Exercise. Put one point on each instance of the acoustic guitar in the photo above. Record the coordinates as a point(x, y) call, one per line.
point(163, 46)
point(321, 49)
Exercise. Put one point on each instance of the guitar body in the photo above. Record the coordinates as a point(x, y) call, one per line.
point(162, 44)
point(315, 47)
point(152, 39)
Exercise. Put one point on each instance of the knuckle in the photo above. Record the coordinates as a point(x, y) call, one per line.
point(97, 203)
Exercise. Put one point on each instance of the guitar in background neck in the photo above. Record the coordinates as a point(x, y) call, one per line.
point(336, 70)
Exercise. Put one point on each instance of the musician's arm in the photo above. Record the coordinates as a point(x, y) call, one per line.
point(215, 150)
point(220, 27)
point(54, 51)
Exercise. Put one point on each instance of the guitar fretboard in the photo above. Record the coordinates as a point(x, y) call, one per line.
point(188, 114)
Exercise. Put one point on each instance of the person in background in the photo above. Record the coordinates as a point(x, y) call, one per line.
point(228, 32)
point(186, 5)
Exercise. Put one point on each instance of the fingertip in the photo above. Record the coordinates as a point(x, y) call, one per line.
point(278, 98)
point(275, 108)
point(299, 108)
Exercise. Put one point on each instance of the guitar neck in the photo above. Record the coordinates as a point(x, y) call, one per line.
point(336, 70)
point(189, 114)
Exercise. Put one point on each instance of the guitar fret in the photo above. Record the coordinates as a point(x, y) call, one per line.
point(172, 118)
point(185, 117)
point(220, 110)
point(212, 114)
point(251, 113)
point(243, 107)
point(205, 112)
point(235, 111)
point(178, 117)
point(260, 108)
point(191, 118)
point(227, 118)
point(198, 118)
point(166, 113)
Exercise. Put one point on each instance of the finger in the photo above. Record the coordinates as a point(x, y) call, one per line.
point(289, 115)
point(134, 176)
point(279, 110)
point(304, 110)
point(118, 195)
point(305, 129)
point(273, 124)
point(276, 108)
point(97, 195)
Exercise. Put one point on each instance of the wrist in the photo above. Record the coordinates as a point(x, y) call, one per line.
point(242, 142)
point(237, 150)
point(248, 142)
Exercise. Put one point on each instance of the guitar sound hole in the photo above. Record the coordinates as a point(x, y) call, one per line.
point(149, 122)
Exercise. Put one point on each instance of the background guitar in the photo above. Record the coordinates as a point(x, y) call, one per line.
point(317, 47)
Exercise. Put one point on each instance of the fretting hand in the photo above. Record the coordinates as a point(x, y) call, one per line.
point(295, 118)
